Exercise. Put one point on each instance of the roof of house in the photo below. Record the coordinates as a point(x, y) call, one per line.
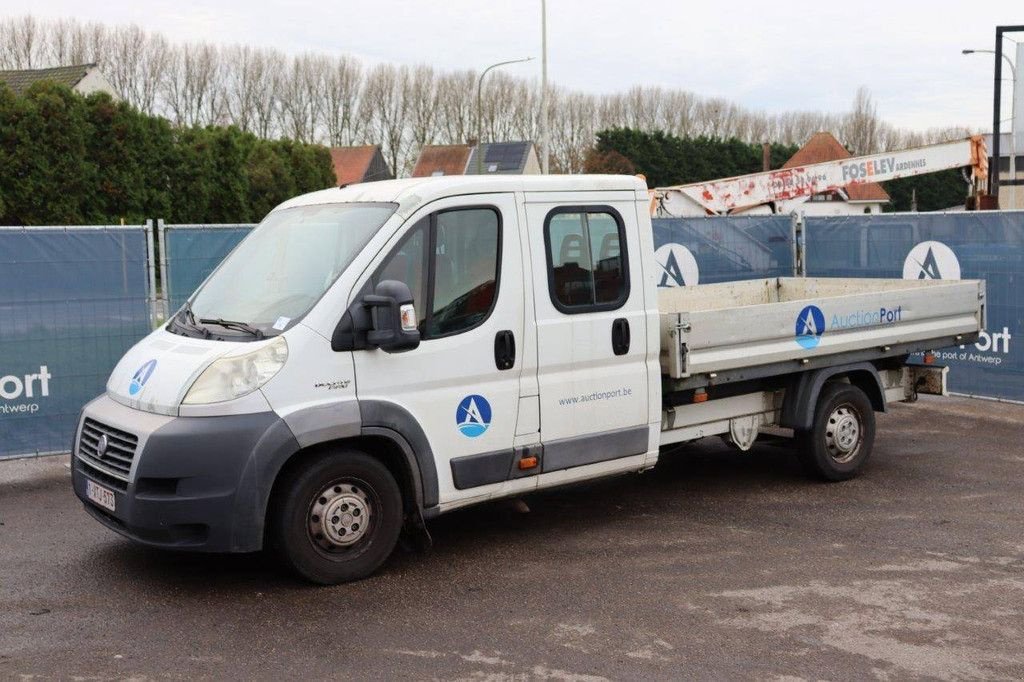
point(442, 159)
point(503, 158)
point(357, 164)
point(20, 81)
point(825, 147)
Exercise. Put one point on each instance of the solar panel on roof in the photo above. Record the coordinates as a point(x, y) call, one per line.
point(507, 157)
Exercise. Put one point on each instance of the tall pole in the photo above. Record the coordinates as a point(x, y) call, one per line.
point(994, 173)
point(1017, 125)
point(994, 177)
point(544, 122)
point(1013, 139)
point(480, 111)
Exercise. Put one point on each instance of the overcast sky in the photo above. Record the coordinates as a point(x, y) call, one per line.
point(760, 54)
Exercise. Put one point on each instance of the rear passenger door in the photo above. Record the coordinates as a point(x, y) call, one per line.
point(591, 336)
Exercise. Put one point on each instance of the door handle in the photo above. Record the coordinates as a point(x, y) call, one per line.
point(504, 349)
point(620, 336)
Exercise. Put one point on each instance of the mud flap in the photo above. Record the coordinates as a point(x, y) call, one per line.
point(415, 537)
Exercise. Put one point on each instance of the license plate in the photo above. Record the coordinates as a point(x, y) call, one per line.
point(100, 495)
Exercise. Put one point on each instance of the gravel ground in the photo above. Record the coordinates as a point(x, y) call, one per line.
point(717, 565)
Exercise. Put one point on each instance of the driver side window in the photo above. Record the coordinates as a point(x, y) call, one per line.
point(450, 260)
point(408, 263)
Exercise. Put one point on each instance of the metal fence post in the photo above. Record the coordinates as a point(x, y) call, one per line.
point(165, 294)
point(799, 245)
point(151, 273)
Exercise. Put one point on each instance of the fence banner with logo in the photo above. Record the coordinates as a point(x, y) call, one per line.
point(723, 249)
point(74, 300)
point(190, 254)
point(985, 245)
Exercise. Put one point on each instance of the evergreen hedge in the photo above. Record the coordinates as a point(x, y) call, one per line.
point(67, 160)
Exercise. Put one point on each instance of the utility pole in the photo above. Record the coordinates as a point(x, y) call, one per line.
point(545, 122)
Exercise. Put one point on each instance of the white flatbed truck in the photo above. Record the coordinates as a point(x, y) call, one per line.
point(374, 355)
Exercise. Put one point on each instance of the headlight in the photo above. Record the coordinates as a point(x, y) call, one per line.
point(233, 376)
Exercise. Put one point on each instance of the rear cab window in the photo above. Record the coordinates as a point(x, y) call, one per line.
point(586, 259)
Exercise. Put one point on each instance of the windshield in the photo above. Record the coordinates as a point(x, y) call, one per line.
point(280, 270)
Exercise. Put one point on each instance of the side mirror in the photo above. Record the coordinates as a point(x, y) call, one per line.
point(392, 317)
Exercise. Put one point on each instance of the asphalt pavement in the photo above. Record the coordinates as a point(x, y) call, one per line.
point(715, 565)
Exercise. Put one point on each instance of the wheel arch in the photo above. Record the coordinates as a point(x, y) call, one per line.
point(383, 444)
point(803, 391)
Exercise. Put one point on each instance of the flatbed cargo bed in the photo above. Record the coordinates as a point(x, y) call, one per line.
point(791, 322)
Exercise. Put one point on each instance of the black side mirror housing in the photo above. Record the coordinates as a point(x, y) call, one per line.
point(375, 320)
point(392, 317)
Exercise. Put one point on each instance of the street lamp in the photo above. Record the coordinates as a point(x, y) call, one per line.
point(1013, 122)
point(480, 111)
point(1009, 62)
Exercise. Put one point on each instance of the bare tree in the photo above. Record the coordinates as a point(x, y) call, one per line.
point(573, 116)
point(860, 128)
point(342, 95)
point(420, 96)
point(302, 96)
point(679, 112)
point(63, 44)
point(20, 46)
point(385, 112)
point(246, 67)
point(135, 63)
point(456, 105)
point(269, 118)
point(193, 91)
point(524, 110)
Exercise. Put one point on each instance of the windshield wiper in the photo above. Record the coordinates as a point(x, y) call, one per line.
point(232, 324)
point(190, 321)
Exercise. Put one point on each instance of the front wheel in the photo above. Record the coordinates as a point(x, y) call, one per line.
point(839, 442)
point(336, 518)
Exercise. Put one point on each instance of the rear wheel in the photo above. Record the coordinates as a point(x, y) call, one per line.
point(337, 518)
point(840, 440)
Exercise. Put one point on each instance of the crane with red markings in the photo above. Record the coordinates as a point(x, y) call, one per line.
point(783, 191)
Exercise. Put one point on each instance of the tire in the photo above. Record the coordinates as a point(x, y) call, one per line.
point(336, 518)
point(840, 440)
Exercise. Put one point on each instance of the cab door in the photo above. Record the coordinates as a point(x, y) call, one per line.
point(591, 325)
point(455, 398)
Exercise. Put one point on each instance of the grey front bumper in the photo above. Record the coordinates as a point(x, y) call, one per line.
point(197, 483)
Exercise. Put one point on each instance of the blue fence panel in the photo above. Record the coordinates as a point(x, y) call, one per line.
point(986, 245)
point(723, 249)
point(190, 254)
point(74, 300)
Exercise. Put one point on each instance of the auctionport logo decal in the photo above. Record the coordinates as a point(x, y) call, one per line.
point(931, 260)
point(935, 260)
point(678, 266)
point(21, 386)
point(810, 325)
point(140, 377)
point(473, 415)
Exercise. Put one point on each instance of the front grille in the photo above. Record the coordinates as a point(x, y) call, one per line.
point(115, 464)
